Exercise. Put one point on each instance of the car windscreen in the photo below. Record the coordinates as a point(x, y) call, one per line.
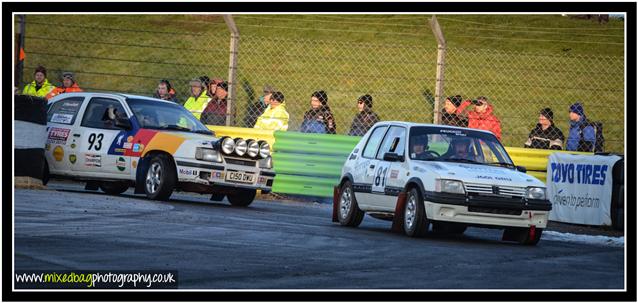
point(165, 115)
point(456, 145)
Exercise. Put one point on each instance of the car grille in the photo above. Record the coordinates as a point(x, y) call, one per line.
point(241, 162)
point(513, 191)
point(478, 209)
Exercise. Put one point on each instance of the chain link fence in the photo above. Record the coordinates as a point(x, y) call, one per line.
point(400, 77)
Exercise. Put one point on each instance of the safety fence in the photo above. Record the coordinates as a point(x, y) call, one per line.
point(131, 53)
point(310, 164)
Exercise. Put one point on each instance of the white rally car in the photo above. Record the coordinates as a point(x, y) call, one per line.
point(422, 175)
point(114, 141)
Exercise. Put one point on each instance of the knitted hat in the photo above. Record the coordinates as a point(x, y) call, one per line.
point(322, 96)
point(577, 108)
point(40, 69)
point(68, 75)
point(367, 100)
point(548, 113)
point(456, 100)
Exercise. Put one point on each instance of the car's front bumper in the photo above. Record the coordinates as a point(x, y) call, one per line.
point(487, 210)
point(215, 175)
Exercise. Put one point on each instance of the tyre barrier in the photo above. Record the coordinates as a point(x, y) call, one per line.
point(30, 138)
point(618, 196)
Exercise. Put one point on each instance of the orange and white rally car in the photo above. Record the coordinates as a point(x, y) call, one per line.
point(114, 141)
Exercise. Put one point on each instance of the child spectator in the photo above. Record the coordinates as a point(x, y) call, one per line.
point(545, 135)
point(319, 118)
point(365, 118)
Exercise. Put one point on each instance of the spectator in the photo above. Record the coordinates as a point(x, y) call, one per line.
point(206, 83)
point(211, 85)
point(365, 118)
point(482, 117)
point(165, 91)
point(40, 87)
point(319, 118)
point(545, 135)
point(275, 117)
point(582, 136)
point(68, 86)
point(198, 99)
point(215, 112)
point(450, 115)
point(256, 109)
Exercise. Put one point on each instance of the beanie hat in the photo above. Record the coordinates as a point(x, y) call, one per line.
point(367, 100)
point(456, 100)
point(68, 75)
point(548, 113)
point(40, 69)
point(223, 85)
point(322, 96)
point(196, 81)
point(277, 96)
point(577, 108)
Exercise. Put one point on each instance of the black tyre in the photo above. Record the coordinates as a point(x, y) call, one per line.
point(415, 222)
point(114, 187)
point(522, 235)
point(448, 228)
point(46, 175)
point(349, 213)
point(160, 178)
point(242, 197)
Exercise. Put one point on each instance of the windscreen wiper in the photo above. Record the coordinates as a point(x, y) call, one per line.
point(462, 160)
point(502, 164)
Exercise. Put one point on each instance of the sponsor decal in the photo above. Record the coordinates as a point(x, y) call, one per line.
point(72, 145)
point(119, 139)
point(394, 174)
point(120, 163)
point(119, 150)
point(72, 158)
point(217, 175)
point(58, 135)
point(58, 153)
point(62, 118)
point(188, 172)
point(127, 145)
point(134, 164)
point(571, 173)
point(93, 160)
point(129, 139)
point(262, 180)
point(138, 147)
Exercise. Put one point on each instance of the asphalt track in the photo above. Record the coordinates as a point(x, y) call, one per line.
point(283, 245)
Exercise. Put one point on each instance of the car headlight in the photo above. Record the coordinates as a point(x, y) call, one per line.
point(240, 146)
point(265, 163)
point(535, 193)
point(207, 154)
point(450, 186)
point(253, 148)
point(264, 149)
point(228, 145)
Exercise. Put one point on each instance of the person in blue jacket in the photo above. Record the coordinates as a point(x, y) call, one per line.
point(582, 136)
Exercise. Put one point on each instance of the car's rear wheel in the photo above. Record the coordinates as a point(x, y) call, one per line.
point(114, 187)
point(415, 222)
point(242, 197)
point(160, 178)
point(349, 212)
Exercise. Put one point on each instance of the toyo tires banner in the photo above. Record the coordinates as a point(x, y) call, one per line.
point(579, 188)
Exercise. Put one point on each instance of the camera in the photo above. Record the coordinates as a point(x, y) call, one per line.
point(477, 102)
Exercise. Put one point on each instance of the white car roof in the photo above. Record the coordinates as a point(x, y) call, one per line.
point(412, 124)
point(85, 94)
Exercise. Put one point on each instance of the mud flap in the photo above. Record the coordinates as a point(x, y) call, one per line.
point(335, 204)
point(399, 212)
point(142, 166)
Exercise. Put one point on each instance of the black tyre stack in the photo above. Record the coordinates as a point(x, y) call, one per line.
point(30, 138)
point(618, 195)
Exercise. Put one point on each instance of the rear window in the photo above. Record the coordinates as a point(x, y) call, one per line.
point(65, 111)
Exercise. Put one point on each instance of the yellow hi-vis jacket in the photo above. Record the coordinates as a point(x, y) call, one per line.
point(46, 88)
point(197, 105)
point(273, 118)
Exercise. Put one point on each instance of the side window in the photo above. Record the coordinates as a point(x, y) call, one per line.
point(390, 144)
point(64, 111)
point(373, 142)
point(96, 114)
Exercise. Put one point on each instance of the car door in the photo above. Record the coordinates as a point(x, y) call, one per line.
point(365, 168)
point(96, 134)
point(60, 148)
point(386, 187)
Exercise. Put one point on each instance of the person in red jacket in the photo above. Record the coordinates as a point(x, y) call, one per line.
point(68, 86)
point(482, 116)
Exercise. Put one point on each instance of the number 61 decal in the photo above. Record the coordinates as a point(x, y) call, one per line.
point(95, 141)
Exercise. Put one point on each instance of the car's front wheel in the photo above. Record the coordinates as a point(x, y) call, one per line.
point(114, 187)
point(242, 197)
point(160, 178)
point(415, 222)
point(349, 212)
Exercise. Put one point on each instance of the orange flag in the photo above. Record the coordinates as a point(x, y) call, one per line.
point(22, 54)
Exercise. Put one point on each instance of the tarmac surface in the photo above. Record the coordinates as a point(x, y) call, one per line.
point(284, 245)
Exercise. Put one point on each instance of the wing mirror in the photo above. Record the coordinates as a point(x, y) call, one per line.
point(521, 169)
point(393, 157)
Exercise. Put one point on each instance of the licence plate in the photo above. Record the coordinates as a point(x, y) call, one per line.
point(239, 176)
